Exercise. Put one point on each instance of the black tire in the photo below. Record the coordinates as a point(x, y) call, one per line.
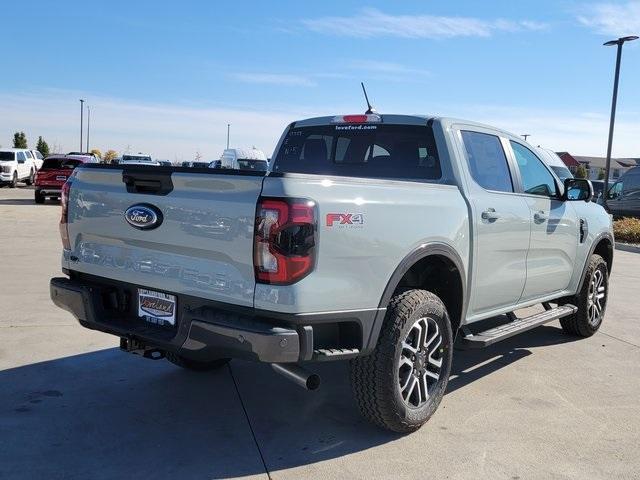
point(14, 181)
point(376, 378)
point(195, 365)
point(584, 323)
point(38, 197)
point(29, 181)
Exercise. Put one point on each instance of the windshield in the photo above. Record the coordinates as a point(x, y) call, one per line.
point(256, 165)
point(138, 158)
point(362, 150)
point(7, 156)
point(562, 172)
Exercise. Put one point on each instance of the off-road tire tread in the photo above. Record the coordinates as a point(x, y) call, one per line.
point(578, 324)
point(373, 388)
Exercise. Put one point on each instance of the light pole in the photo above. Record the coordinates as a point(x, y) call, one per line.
point(619, 42)
point(525, 136)
point(81, 121)
point(88, 125)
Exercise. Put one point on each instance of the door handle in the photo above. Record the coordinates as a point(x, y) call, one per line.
point(540, 216)
point(490, 214)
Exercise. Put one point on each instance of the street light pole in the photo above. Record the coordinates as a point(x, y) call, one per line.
point(619, 42)
point(81, 121)
point(88, 125)
point(525, 136)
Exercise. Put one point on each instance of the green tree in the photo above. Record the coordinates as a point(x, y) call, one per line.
point(97, 153)
point(110, 155)
point(581, 172)
point(42, 147)
point(601, 174)
point(19, 140)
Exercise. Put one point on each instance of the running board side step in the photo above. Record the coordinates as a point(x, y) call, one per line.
point(519, 325)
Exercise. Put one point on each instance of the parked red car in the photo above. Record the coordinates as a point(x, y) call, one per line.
point(54, 172)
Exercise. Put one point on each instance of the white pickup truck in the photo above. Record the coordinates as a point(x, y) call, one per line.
point(16, 165)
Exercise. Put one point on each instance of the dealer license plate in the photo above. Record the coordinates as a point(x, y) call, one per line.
point(156, 307)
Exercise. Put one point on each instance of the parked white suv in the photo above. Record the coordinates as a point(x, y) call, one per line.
point(16, 165)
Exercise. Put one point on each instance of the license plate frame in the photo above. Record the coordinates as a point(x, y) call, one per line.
point(157, 308)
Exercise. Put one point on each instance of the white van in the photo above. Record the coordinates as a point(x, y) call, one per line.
point(244, 159)
point(552, 159)
point(16, 165)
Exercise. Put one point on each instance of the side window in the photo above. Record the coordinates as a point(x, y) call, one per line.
point(21, 157)
point(631, 184)
point(487, 161)
point(28, 154)
point(536, 179)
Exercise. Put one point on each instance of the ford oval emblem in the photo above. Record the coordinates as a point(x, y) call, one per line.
point(143, 216)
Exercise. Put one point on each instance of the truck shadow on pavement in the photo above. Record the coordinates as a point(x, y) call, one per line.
point(106, 414)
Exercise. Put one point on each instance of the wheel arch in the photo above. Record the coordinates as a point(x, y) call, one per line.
point(415, 271)
point(603, 245)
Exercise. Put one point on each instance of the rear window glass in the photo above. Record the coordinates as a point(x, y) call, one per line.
point(57, 163)
point(363, 150)
point(7, 156)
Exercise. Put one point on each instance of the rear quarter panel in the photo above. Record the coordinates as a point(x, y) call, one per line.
point(355, 261)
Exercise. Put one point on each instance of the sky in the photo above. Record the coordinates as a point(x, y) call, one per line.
point(167, 79)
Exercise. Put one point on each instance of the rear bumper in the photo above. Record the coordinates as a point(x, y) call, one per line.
point(49, 191)
point(207, 330)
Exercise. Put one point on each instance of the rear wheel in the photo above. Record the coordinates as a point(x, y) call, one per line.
point(29, 181)
point(400, 385)
point(591, 300)
point(195, 365)
point(14, 180)
point(39, 198)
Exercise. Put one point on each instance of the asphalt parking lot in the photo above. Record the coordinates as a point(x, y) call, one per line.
point(542, 405)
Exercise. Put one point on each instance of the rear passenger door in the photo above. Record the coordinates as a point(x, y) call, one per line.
point(554, 226)
point(501, 223)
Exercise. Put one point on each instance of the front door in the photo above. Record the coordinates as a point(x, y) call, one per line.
point(501, 224)
point(555, 227)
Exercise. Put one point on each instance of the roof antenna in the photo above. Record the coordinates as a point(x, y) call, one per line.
point(370, 109)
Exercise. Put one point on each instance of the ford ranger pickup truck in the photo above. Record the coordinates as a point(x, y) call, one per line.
point(379, 239)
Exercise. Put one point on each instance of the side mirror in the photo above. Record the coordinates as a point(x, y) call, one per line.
point(577, 189)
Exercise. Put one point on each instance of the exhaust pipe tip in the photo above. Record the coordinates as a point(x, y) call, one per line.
point(313, 382)
point(298, 375)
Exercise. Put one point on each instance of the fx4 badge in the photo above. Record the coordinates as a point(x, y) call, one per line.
point(344, 219)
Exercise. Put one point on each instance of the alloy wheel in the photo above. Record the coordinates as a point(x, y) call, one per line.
point(596, 297)
point(420, 362)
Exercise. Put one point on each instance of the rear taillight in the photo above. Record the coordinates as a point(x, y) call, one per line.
point(284, 240)
point(64, 202)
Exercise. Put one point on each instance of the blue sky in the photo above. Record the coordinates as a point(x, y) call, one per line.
point(167, 79)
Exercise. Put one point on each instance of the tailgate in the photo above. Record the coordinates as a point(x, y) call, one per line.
point(203, 245)
point(53, 176)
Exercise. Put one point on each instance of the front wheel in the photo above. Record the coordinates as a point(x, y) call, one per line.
point(195, 365)
point(591, 300)
point(14, 180)
point(400, 385)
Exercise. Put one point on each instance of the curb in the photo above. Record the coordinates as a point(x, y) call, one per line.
point(626, 247)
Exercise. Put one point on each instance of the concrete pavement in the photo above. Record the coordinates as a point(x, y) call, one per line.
point(541, 405)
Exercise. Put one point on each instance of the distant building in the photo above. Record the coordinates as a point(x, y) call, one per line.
point(595, 165)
